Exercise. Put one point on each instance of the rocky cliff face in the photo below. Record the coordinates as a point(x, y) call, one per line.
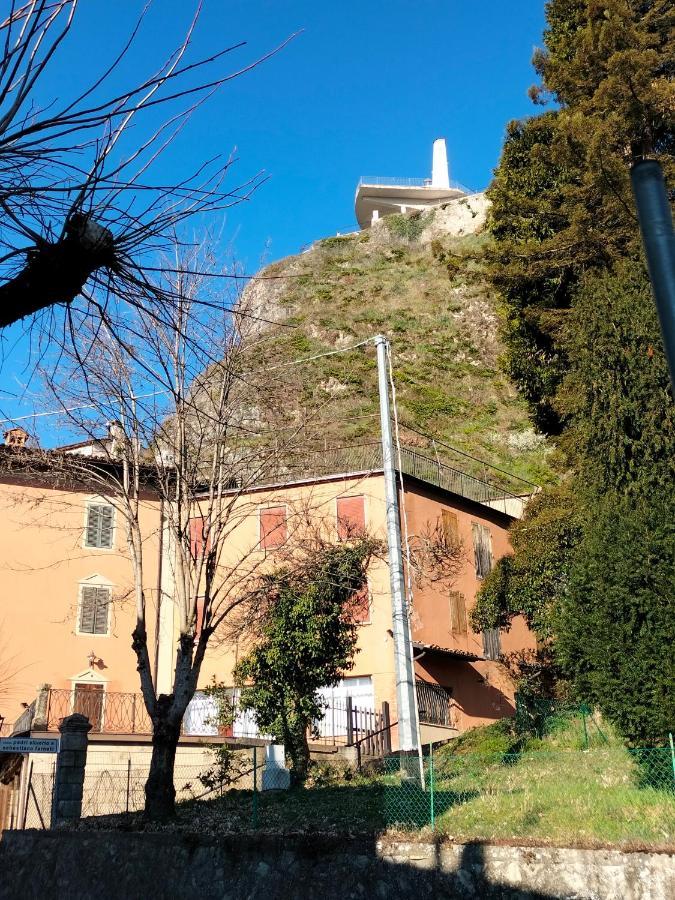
point(416, 279)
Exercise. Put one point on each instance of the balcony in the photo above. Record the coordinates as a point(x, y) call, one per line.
point(434, 703)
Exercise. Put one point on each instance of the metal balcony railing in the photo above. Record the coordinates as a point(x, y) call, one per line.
point(434, 703)
point(396, 181)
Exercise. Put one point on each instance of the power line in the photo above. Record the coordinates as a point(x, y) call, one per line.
point(293, 362)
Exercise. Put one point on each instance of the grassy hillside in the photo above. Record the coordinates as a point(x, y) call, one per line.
point(420, 286)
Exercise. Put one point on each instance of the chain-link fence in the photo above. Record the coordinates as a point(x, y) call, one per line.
point(605, 795)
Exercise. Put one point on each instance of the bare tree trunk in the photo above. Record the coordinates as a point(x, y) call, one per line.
point(160, 793)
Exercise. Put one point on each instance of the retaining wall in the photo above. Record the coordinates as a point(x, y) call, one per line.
point(101, 865)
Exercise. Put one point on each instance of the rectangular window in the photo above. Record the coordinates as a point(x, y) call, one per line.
point(450, 528)
point(99, 529)
point(94, 604)
point(491, 643)
point(351, 517)
point(457, 613)
point(272, 527)
point(482, 549)
point(199, 544)
point(88, 701)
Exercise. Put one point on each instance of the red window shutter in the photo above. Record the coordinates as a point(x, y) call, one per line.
point(197, 543)
point(272, 527)
point(360, 606)
point(351, 517)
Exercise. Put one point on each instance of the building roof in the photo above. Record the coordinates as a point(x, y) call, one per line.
point(465, 655)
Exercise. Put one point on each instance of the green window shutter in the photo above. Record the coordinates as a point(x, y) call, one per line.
point(88, 610)
point(94, 610)
point(99, 531)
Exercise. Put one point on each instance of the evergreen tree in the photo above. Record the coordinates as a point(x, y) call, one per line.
point(615, 631)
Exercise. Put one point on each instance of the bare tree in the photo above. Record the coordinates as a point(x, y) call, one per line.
point(82, 214)
point(190, 423)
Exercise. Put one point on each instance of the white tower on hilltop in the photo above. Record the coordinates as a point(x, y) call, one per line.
point(377, 196)
point(440, 175)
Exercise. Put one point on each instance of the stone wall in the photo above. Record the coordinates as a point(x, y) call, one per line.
point(101, 865)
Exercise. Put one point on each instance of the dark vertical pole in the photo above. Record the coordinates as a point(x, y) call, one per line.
point(128, 781)
point(255, 787)
point(658, 240)
point(386, 721)
point(350, 723)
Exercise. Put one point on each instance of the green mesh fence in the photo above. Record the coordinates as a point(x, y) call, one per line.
point(571, 797)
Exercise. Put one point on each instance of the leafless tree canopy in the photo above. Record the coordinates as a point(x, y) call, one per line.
point(82, 215)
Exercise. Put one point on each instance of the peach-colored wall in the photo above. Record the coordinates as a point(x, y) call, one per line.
point(317, 502)
point(482, 690)
point(42, 564)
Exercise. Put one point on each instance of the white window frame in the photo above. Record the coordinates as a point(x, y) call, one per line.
point(97, 581)
point(99, 501)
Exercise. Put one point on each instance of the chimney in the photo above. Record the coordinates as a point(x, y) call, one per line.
point(16, 437)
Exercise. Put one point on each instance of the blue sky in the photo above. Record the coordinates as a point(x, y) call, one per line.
point(364, 89)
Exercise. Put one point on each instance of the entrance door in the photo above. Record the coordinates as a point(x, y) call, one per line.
point(88, 701)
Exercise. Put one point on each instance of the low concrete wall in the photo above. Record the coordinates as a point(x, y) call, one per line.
point(101, 865)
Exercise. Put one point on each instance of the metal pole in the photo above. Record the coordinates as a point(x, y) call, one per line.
point(128, 781)
point(405, 677)
point(431, 786)
point(255, 786)
point(672, 753)
point(658, 240)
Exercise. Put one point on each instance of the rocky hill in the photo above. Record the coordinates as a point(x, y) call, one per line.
point(415, 278)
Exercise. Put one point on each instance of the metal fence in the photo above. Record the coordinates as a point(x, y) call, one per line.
point(605, 795)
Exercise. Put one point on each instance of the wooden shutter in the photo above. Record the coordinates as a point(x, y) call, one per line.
point(94, 610)
point(457, 613)
point(450, 528)
point(491, 643)
point(482, 549)
point(272, 527)
point(99, 532)
point(88, 701)
point(351, 517)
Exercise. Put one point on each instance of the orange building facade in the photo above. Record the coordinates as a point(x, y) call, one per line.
point(67, 608)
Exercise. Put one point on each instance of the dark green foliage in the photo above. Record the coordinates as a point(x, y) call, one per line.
point(307, 641)
point(617, 397)
point(533, 580)
point(616, 628)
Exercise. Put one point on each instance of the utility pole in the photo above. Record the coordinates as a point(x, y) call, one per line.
point(408, 730)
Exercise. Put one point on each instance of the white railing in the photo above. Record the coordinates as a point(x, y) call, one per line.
point(396, 181)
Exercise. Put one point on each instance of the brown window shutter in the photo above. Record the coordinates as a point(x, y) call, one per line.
point(351, 517)
point(88, 701)
point(450, 528)
point(482, 549)
point(457, 613)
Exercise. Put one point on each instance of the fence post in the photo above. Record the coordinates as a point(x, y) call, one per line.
point(583, 719)
point(41, 715)
point(128, 781)
point(255, 787)
point(71, 761)
point(350, 723)
point(672, 753)
point(431, 786)
point(386, 722)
